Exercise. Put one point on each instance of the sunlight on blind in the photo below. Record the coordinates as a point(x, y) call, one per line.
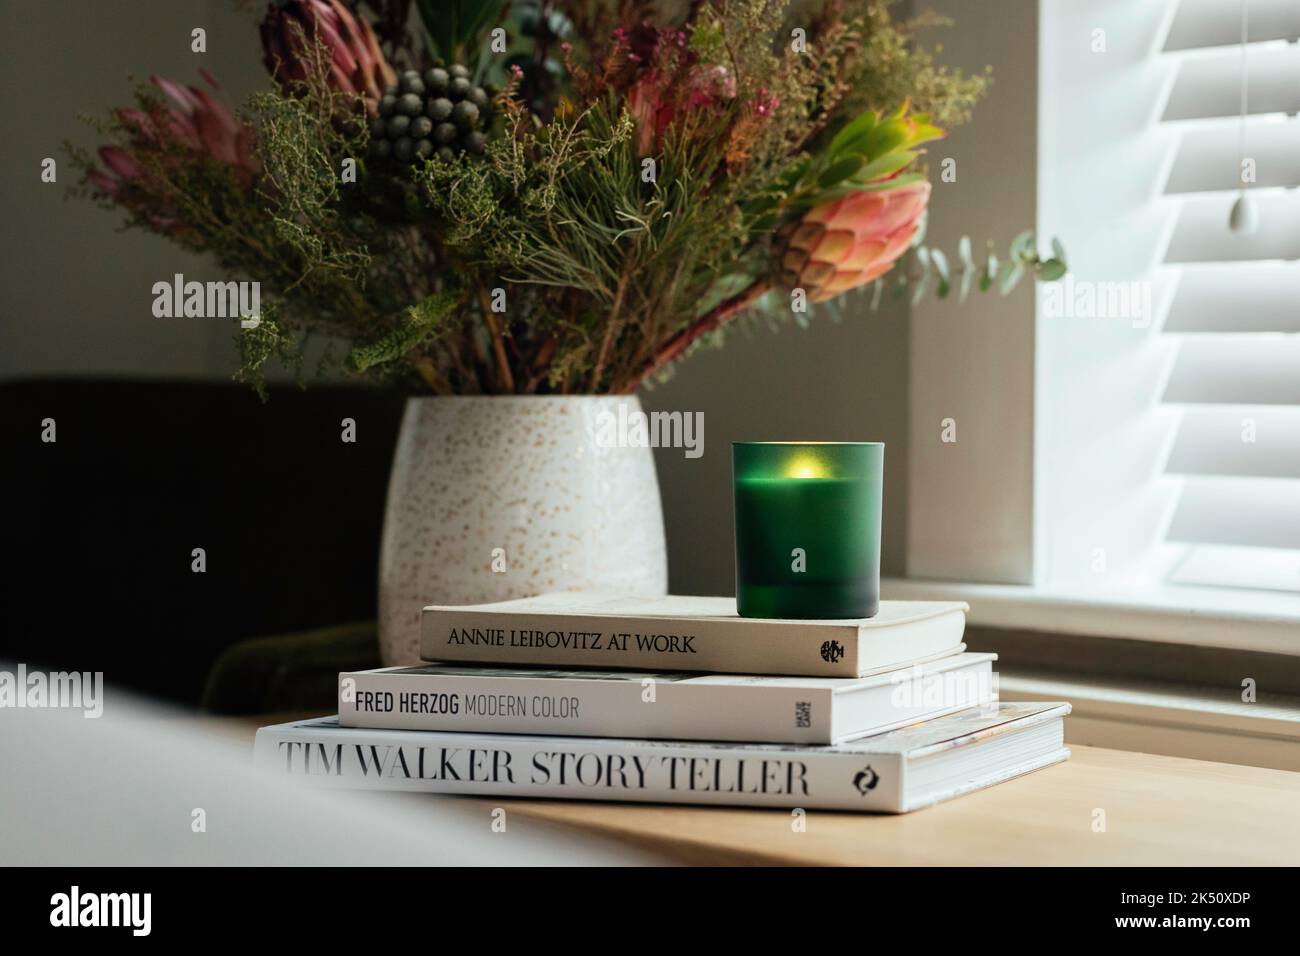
point(1236, 310)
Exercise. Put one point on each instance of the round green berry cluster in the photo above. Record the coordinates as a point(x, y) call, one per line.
point(440, 113)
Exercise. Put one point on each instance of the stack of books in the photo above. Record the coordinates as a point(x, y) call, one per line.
point(678, 700)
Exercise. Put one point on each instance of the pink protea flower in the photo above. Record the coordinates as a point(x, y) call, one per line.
point(657, 101)
point(204, 123)
point(852, 240)
point(651, 110)
point(194, 121)
point(663, 80)
point(292, 27)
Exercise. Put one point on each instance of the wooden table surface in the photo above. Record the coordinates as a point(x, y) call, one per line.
point(1101, 807)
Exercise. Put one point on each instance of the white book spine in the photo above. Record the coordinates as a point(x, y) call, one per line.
point(823, 650)
point(658, 708)
point(583, 769)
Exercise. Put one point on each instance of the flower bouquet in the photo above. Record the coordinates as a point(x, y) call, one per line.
point(479, 197)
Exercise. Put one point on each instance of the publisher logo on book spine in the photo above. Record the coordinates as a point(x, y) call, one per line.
point(865, 780)
point(832, 651)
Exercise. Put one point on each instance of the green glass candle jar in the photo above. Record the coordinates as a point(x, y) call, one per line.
point(808, 528)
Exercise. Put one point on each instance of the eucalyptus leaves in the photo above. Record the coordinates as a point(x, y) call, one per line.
point(927, 265)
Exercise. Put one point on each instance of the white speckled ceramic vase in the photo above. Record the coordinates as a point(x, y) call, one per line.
point(523, 474)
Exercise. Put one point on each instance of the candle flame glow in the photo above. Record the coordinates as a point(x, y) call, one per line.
point(805, 466)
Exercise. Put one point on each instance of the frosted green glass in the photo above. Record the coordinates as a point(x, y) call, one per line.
point(808, 528)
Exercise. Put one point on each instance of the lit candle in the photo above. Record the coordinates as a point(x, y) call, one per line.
point(808, 528)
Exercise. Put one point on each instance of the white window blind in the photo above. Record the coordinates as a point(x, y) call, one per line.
point(1235, 311)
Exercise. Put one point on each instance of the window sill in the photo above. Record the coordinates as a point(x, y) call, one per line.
point(1201, 723)
point(1208, 617)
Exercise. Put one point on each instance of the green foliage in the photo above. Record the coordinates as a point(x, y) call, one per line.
point(565, 208)
point(259, 345)
point(423, 322)
point(323, 251)
point(890, 66)
point(871, 151)
point(455, 27)
point(927, 264)
point(627, 205)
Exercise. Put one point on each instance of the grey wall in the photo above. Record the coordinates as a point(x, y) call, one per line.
point(78, 292)
point(971, 502)
point(844, 381)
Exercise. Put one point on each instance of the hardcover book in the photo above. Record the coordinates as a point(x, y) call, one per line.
point(681, 633)
point(893, 772)
point(681, 706)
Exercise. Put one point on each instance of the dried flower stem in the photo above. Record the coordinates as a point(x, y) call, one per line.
point(505, 379)
point(611, 327)
point(424, 366)
point(709, 322)
point(542, 364)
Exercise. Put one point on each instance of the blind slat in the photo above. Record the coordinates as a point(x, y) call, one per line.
point(1202, 233)
point(1210, 87)
point(1237, 371)
point(1209, 160)
point(1258, 513)
point(1211, 23)
point(1237, 297)
point(1262, 370)
point(1253, 442)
